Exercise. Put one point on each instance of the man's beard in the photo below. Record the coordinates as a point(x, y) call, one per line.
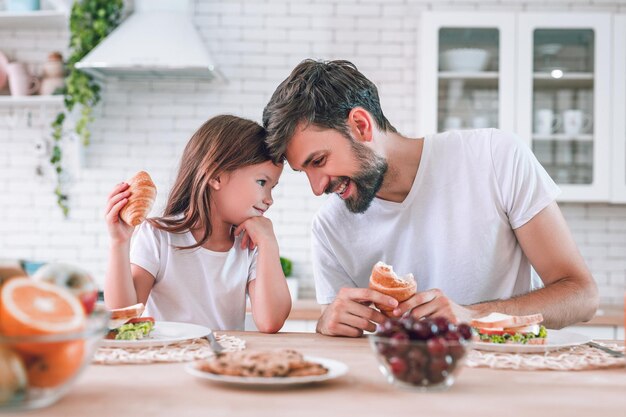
point(368, 180)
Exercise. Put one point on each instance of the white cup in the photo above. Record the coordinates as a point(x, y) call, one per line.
point(546, 122)
point(575, 122)
point(21, 82)
point(452, 123)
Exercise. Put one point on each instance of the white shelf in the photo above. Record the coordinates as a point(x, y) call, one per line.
point(566, 76)
point(563, 137)
point(474, 75)
point(568, 80)
point(40, 19)
point(31, 100)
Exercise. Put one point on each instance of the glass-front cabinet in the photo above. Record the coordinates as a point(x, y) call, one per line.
point(546, 77)
point(467, 68)
point(618, 173)
point(563, 99)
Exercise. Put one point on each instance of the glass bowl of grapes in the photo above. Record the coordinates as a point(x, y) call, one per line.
point(422, 355)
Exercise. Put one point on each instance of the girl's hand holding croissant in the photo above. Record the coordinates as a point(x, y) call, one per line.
point(119, 231)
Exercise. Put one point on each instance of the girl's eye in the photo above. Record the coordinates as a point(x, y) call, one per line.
point(319, 162)
point(261, 182)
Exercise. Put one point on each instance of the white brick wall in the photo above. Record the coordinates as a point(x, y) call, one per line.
point(145, 125)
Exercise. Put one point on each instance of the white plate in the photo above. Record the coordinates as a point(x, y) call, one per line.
point(557, 339)
point(164, 333)
point(335, 370)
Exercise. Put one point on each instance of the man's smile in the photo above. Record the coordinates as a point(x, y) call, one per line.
point(343, 186)
point(342, 189)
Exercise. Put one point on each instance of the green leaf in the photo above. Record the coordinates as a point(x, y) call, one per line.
point(90, 22)
point(286, 264)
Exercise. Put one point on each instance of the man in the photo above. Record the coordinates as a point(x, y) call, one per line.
point(467, 212)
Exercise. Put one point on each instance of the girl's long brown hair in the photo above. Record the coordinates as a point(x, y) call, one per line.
point(222, 144)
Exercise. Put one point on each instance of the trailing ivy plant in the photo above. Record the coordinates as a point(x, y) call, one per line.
point(90, 22)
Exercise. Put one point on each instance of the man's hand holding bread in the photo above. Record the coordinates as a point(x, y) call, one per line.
point(350, 313)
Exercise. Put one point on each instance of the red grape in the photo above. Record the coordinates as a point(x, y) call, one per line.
point(398, 365)
point(438, 370)
point(465, 331)
point(437, 347)
point(442, 325)
point(421, 330)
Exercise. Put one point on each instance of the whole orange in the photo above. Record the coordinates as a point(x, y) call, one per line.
point(55, 367)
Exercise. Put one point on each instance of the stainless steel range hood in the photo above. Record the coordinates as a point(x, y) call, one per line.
point(158, 40)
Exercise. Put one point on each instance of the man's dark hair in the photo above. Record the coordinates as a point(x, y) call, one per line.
point(320, 93)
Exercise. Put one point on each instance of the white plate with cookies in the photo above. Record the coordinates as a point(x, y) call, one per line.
point(267, 368)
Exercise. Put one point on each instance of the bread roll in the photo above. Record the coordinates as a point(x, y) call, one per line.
point(127, 313)
point(385, 281)
point(501, 320)
point(119, 316)
point(142, 195)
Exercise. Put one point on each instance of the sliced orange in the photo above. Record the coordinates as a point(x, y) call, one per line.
point(36, 308)
point(30, 308)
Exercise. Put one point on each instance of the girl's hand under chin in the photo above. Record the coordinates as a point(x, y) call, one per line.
point(258, 232)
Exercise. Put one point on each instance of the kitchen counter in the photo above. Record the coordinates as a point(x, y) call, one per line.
point(606, 316)
point(166, 390)
point(307, 309)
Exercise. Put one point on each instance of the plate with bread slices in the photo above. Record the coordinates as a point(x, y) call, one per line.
point(266, 368)
point(129, 329)
point(500, 332)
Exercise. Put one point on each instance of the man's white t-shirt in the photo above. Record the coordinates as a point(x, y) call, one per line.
point(453, 231)
point(194, 285)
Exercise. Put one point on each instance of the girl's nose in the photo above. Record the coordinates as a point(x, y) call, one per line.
point(268, 200)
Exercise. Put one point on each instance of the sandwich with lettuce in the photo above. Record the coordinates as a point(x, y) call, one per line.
point(127, 324)
point(503, 328)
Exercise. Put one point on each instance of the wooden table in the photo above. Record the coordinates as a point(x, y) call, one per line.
point(167, 390)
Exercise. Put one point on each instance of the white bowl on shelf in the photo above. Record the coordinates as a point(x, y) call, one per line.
point(464, 59)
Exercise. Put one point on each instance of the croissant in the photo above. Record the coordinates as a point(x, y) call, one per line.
point(142, 195)
point(385, 281)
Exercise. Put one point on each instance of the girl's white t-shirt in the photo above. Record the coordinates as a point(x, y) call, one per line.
point(197, 286)
point(454, 230)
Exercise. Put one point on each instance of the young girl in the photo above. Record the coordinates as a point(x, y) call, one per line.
point(213, 244)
